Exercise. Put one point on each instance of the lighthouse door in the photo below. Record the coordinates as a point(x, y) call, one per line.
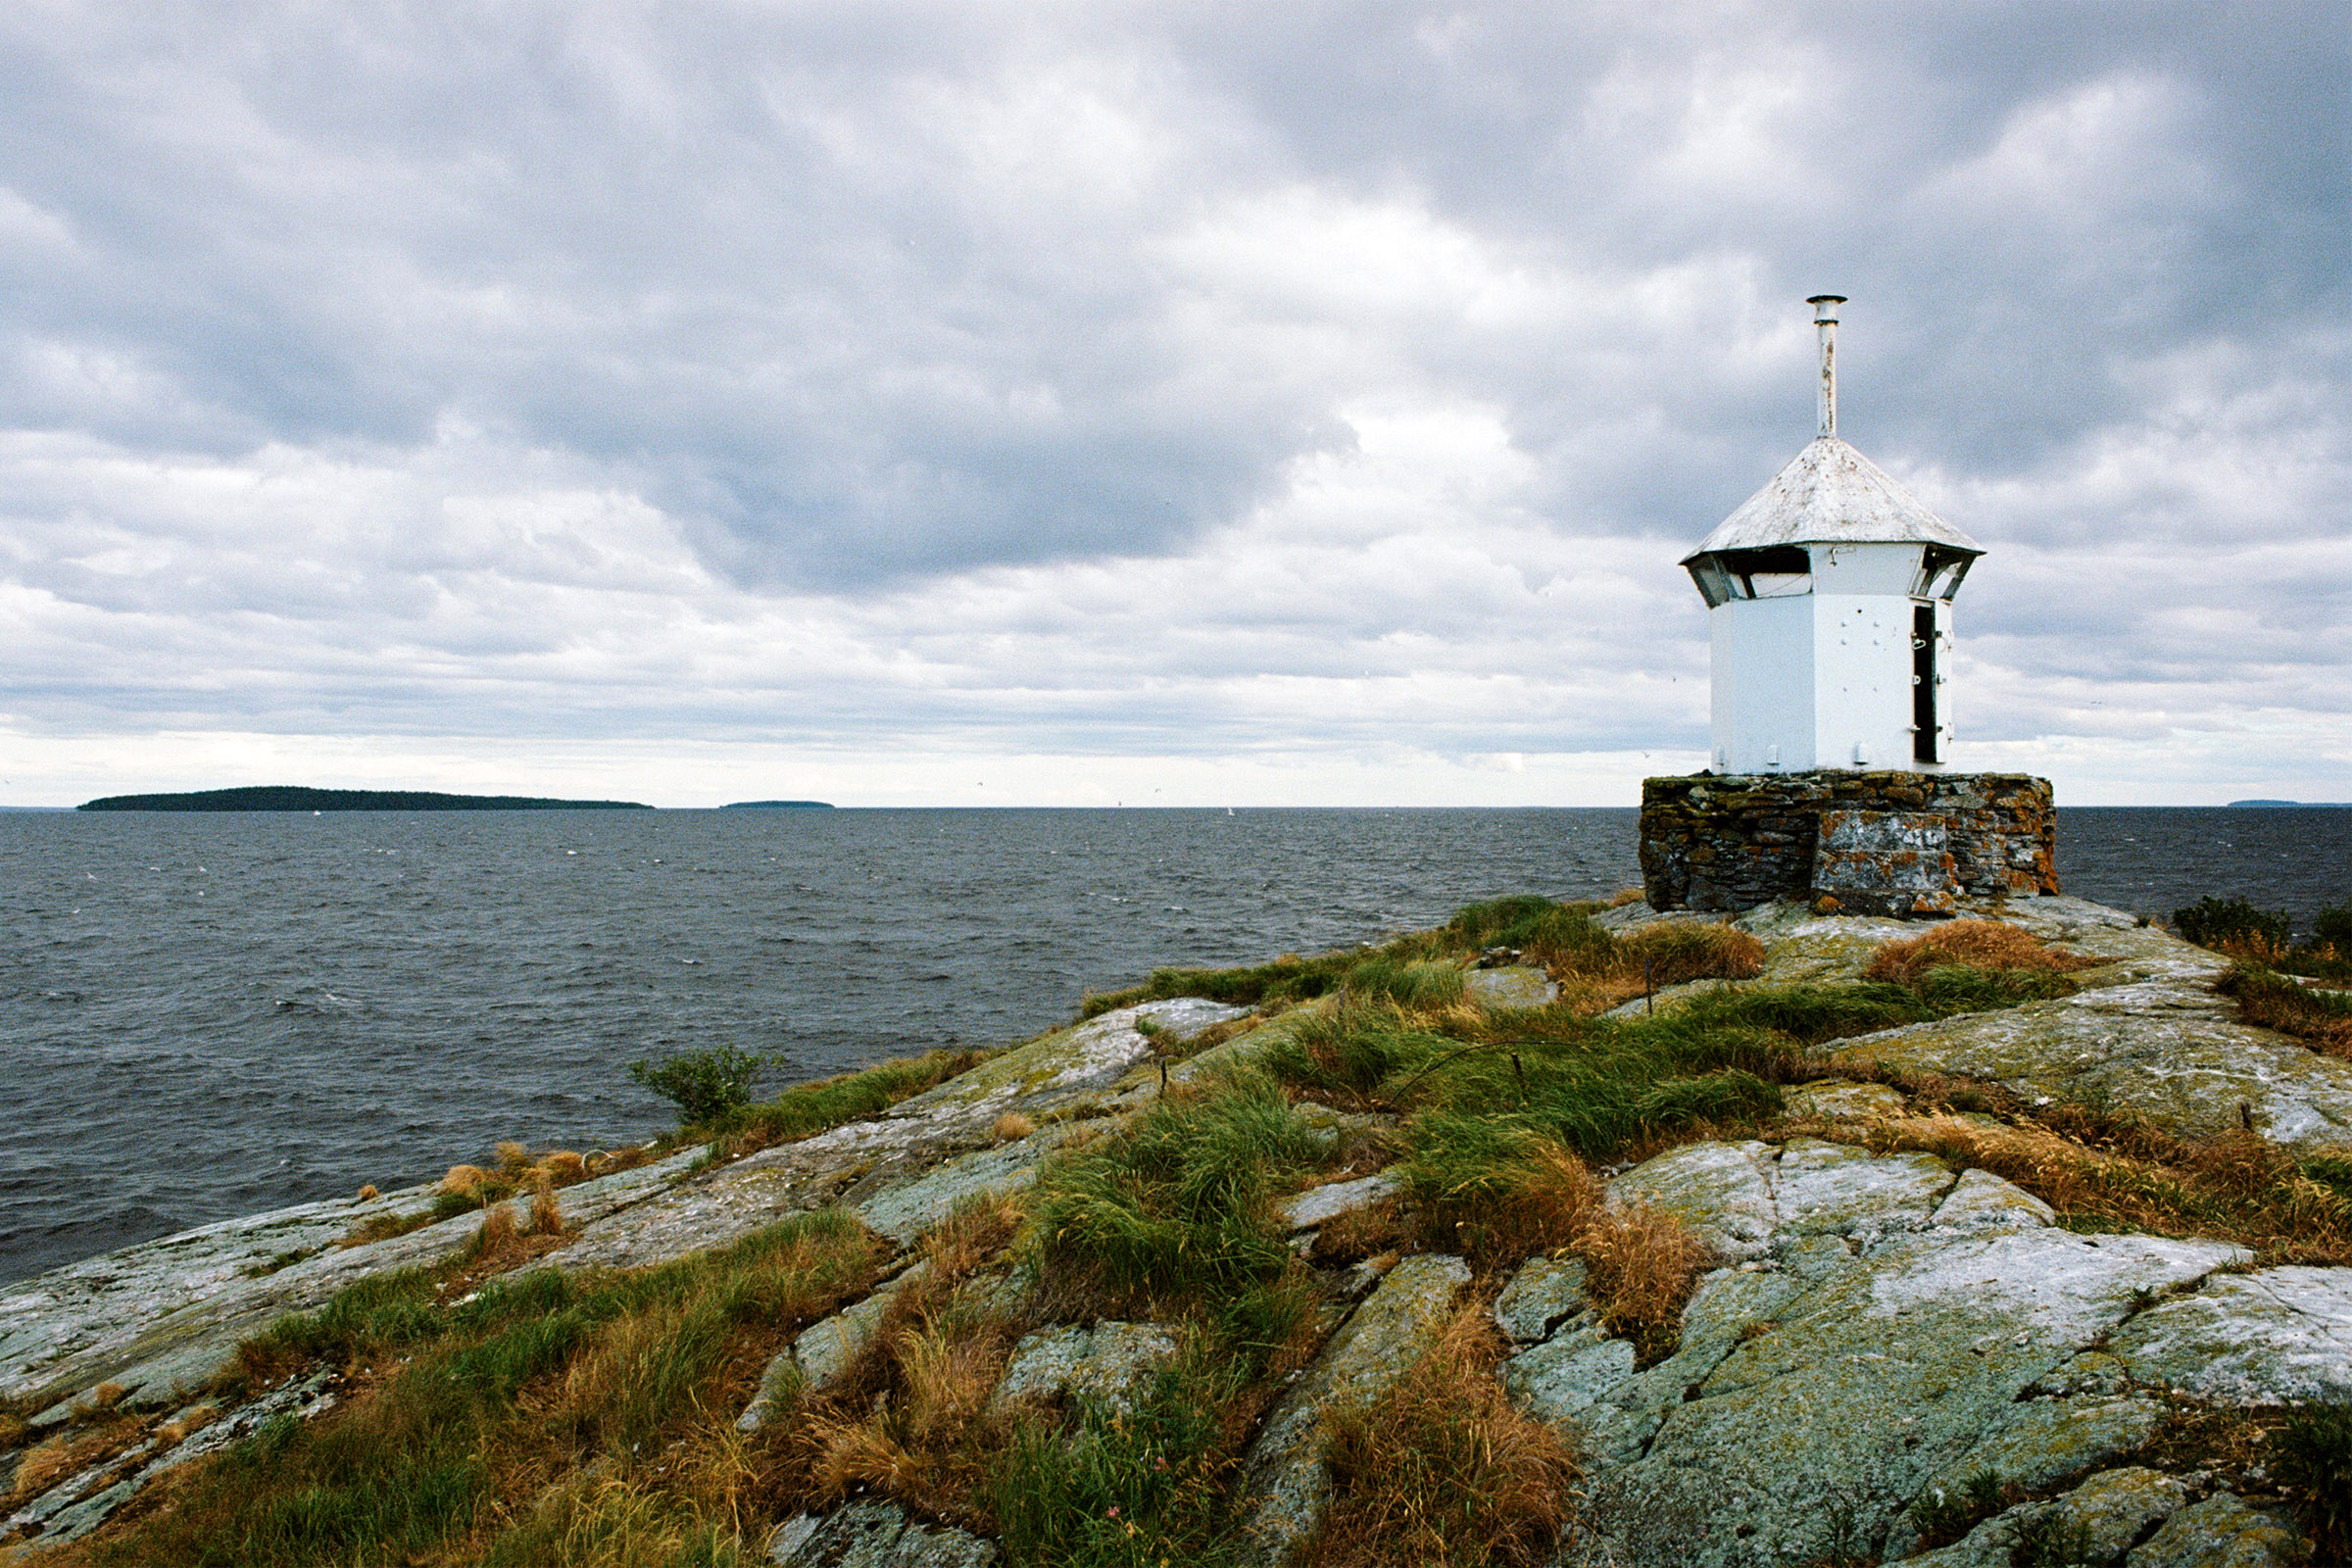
point(1922, 683)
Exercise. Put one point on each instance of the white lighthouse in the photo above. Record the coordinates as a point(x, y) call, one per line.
point(1830, 603)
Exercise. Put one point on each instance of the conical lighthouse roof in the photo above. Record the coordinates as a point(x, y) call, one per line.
point(1831, 494)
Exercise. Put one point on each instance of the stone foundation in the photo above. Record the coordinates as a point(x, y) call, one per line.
point(1892, 842)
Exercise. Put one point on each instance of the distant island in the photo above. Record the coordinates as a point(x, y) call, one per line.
point(777, 805)
point(295, 798)
point(2305, 804)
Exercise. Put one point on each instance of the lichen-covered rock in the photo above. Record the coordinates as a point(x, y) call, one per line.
point(1841, 1099)
point(1544, 1293)
point(1980, 1200)
point(1863, 1351)
point(2095, 1523)
point(904, 1211)
point(162, 1317)
point(1568, 1372)
point(79, 1504)
point(1111, 1362)
point(828, 1347)
point(876, 1535)
point(1511, 986)
point(2117, 1508)
point(1320, 1206)
point(1723, 1191)
point(1822, 1189)
point(904, 1168)
point(1284, 1483)
point(2045, 1442)
point(2264, 1338)
point(2223, 1532)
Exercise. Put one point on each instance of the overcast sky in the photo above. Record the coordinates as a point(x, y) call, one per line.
point(1168, 404)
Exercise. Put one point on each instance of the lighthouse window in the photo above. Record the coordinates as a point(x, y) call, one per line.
point(1775, 573)
point(1939, 573)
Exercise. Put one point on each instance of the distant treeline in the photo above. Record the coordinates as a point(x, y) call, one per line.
point(295, 798)
point(778, 805)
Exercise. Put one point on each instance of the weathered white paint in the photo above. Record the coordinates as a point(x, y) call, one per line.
point(1816, 668)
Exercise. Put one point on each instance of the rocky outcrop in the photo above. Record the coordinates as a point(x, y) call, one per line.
point(1889, 1329)
point(1284, 1484)
point(1111, 1363)
point(875, 1535)
point(162, 1317)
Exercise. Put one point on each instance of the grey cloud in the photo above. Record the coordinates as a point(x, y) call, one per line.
point(837, 319)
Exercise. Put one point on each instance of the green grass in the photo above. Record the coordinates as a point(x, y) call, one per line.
point(813, 1107)
point(1132, 1491)
point(2315, 1460)
point(1173, 1215)
point(538, 1372)
point(1256, 986)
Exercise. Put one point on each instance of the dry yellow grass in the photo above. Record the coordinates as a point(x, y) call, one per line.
point(1442, 1469)
point(615, 1159)
point(369, 1193)
point(462, 1181)
point(2236, 1188)
point(1984, 943)
point(498, 1232)
point(1675, 950)
point(1013, 1127)
point(1623, 897)
point(513, 1159)
point(564, 1167)
point(1641, 1263)
point(46, 1464)
point(184, 1426)
point(547, 1218)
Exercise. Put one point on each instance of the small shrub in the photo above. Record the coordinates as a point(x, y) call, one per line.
point(2331, 931)
point(1013, 1127)
point(2236, 927)
point(1442, 1469)
point(707, 1084)
point(2315, 1460)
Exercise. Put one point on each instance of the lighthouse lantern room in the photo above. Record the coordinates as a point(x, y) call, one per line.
point(1829, 606)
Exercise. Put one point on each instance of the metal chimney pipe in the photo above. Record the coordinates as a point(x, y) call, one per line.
point(1825, 322)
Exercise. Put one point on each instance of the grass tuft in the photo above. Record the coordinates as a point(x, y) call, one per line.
point(1972, 943)
point(2322, 1018)
point(1441, 1469)
point(2315, 1461)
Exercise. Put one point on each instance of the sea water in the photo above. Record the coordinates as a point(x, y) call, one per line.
point(202, 1016)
